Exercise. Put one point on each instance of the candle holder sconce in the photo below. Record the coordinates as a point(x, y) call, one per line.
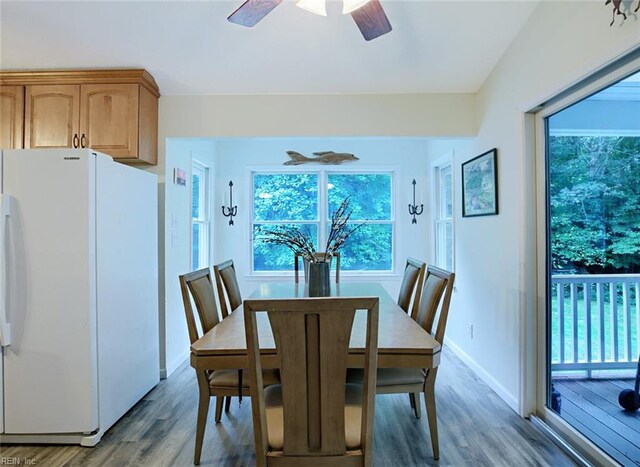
point(414, 209)
point(230, 211)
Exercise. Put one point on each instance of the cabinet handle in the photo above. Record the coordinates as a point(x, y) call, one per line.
point(83, 141)
point(75, 140)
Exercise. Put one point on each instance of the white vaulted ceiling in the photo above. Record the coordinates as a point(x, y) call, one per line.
point(190, 47)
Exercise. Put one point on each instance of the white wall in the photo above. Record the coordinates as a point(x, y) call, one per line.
point(237, 157)
point(286, 116)
point(442, 115)
point(234, 158)
point(562, 43)
point(177, 247)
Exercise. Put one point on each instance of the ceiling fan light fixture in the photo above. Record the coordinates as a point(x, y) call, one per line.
point(349, 6)
point(318, 7)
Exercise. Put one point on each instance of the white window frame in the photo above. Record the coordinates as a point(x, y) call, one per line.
point(203, 221)
point(323, 220)
point(439, 221)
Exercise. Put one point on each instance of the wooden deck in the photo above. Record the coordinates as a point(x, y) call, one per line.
point(591, 406)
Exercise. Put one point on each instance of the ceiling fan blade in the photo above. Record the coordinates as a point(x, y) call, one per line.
point(372, 20)
point(252, 11)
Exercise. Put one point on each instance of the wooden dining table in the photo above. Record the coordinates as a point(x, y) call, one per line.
point(401, 341)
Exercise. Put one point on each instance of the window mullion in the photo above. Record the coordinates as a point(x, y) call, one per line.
point(323, 211)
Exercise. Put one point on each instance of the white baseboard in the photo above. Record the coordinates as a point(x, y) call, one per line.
point(173, 365)
point(88, 440)
point(505, 395)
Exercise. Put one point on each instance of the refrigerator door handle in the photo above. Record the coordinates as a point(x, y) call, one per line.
point(6, 209)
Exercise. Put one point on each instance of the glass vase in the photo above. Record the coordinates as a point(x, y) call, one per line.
point(319, 279)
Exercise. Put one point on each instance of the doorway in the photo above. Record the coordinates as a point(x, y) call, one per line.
point(591, 263)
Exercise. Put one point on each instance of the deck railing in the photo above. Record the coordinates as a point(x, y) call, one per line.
point(595, 322)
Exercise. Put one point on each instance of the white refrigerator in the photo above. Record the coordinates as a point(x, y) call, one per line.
point(79, 341)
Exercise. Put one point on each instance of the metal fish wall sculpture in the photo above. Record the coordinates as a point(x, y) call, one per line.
point(323, 157)
point(617, 9)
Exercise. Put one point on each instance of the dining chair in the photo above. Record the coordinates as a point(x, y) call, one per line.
point(198, 286)
point(320, 256)
point(308, 419)
point(228, 290)
point(227, 284)
point(411, 282)
point(432, 314)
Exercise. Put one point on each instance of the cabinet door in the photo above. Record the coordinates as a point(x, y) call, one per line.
point(52, 116)
point(11, 116)
point(109, 119)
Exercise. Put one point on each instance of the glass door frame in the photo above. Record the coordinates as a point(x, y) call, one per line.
point(601, 80)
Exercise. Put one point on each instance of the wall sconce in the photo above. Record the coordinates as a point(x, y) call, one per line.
point(231, 210)
point(414, 210)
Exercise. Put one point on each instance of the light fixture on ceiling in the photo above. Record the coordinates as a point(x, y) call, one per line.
point(319, 7)
point(368, 15)
point(349, 6)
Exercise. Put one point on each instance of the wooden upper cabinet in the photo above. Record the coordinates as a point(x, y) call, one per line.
point(110, 111)
point(109, 119)
point(52, 116)
point(11, 117)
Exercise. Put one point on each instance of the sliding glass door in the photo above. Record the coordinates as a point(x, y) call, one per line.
point(593, 266)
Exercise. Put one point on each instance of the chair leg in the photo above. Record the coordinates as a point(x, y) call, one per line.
point(412, 400)
point(430, 402)
point(203, 411)
point(417, 406)
point(219, 402)
point(227, 403)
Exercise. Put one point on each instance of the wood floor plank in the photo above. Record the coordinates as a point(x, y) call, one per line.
point(592, 405)
point(595, 427)
point(606, 421)
point(609, 449)
point(476, 428)
point(609, 392)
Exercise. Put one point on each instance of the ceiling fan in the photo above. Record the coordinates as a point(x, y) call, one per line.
point(368, 14)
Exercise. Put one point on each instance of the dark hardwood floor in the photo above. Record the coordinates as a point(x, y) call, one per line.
point(476, 428)
point(591, 406)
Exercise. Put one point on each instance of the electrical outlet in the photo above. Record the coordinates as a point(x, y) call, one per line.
point(470, 327)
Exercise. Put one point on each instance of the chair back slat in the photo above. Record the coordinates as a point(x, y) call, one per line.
point(227, 284)
point(434, 304)
point(312, 340)
point(411, 280)
point(198, 286)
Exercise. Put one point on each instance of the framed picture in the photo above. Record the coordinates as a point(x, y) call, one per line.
point(480, 185)
point(179, 177)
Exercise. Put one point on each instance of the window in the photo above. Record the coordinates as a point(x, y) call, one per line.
point(282, 199)
point(199, 216)
point(370, 248)
point(443, 215)
point(308, 199)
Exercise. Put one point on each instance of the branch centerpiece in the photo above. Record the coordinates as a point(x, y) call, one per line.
point(301, 243)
